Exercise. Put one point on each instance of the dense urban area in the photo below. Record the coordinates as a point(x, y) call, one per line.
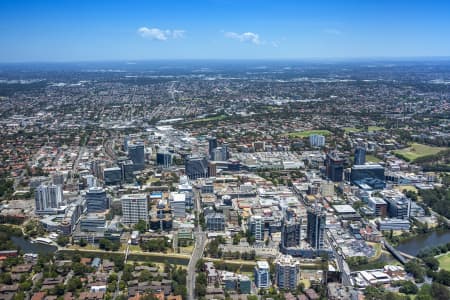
point(225, 180)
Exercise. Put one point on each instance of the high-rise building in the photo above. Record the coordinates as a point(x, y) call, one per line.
point(224, 150)
point(134, 208)
point(96, 200)
point(93, 222)
point(136, 153)
point(178, 204)
point(399, 206)
point(212, 145)
point(112, 176)
point(316, 140)
point(378, 206)
point(334, 166)
point(164, 158)
point(291, 233)
point(128, 168)
point(360, 155)
point(126, 140)
point(48, 198)
point(262, 274)
point(315, 233)
point(287, 271)
point(196, 167)
point(256, 227)
point(218, 154)
point(215, 222)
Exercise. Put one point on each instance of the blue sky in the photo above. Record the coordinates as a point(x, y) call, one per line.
point(83, 30)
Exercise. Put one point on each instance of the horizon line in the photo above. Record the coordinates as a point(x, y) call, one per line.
point(316, 59)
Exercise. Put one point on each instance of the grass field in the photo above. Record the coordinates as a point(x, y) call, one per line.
point(444, 261)
point(375, 128)
point(372, 158)
point(406, 187)
point(307, 133)
point(416, 151)
point(351, 129)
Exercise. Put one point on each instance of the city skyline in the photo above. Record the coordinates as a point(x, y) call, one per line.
point(53, 31)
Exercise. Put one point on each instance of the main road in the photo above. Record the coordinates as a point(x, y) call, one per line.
point(199, 248)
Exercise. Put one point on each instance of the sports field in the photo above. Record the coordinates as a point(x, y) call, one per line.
point(416, 151)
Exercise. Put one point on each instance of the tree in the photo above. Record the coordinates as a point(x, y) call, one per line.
point(443, 277)
point(62, 240)
point(408, 287)
point(82, 242)
point(431, 263)
point(74, 284)
point(439, 291)
point(415, 269)
point(141, 226)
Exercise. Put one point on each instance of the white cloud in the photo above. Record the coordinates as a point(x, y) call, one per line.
point(160, 34)
point(244, 37)
point(332, 31)
point(178, 34)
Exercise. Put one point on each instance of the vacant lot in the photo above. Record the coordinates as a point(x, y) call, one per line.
point(415, 151)
point(307, 133)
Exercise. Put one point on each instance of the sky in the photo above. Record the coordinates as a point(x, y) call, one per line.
point(95, 30)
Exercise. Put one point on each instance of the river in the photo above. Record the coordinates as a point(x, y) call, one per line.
point(29, 247)
point(414, 245)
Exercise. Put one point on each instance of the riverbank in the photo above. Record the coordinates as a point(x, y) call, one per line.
point(415, 244)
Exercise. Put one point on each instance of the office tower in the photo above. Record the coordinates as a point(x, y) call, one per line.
point(93, 223)
point(48, 197)
point(164, 158)
point(287, 270)
point(215, 222)
point(112, 176)
point(360, 155)
point(224, 149)
point(90, 181)
point(218, 154)
point(316, 140)
point(315, 233)
point(128, 168)
point(291, 233)
point(196, 167)
point(212, 145)
point(256, 227)
point(126, 141)
point(378, 206)
point(212, 169)
point(368, 174)
point(334, 166)
point(134, 208)
point(178, 204)
point(137, 155)
point(399, 206)
point(96, 200)
point(262, 274)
